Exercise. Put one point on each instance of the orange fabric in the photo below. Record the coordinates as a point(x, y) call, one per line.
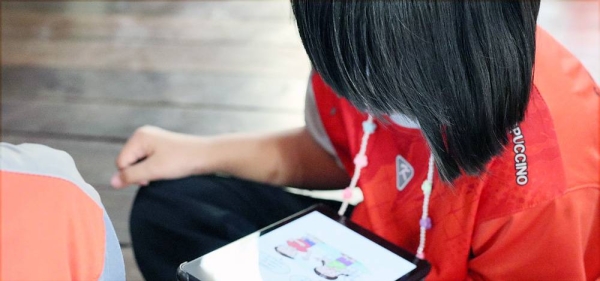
point(574, 101)
point(51, 230)
point(479, 224)
point(552, 238)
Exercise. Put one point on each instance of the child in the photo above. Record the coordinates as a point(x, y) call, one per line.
point(465, 155)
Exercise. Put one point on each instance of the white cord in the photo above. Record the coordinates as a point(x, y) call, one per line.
point(425, 221)
point(358, 168)
point(360, 161)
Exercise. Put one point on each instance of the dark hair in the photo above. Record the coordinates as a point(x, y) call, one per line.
point(462, 69)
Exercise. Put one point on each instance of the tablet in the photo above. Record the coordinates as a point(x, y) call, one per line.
point(313, 245)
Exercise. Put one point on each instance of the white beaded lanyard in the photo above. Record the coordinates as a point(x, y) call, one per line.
point(360, 162)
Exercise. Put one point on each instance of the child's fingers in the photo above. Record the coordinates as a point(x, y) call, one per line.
point(135, 148)
point(141, 173)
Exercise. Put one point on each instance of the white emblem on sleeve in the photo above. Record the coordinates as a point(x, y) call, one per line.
point(404, 172)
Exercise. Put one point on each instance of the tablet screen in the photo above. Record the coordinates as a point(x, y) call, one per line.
point(313, 247)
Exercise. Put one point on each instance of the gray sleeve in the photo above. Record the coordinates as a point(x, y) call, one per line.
point(314, 125)
point(41, 160)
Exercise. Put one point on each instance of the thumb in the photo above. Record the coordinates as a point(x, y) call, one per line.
point(140, 173)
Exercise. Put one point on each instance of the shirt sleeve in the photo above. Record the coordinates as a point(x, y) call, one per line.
point(555, 241)
point(52, 219)
point(314, 125)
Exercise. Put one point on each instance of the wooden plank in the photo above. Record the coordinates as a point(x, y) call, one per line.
point(244, 9)
point(131, 268)
point(234, 39)
point(170, 28)
point(119, 121)
point(561, 18)
point(118, 205)
point(253, 60)
point(172, 89)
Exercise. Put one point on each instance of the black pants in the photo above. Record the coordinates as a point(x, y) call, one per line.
point(176, 221)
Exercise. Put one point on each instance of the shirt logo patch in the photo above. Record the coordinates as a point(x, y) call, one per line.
point(404, 172)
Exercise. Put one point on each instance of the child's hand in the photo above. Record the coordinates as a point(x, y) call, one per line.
point(152, 153)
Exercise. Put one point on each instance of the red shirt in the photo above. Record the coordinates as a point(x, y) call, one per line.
point(535, 213)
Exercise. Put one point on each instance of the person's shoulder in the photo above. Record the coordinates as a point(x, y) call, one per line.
point(557, 146)
point(573, 102)
point(530, 170)
point(36, 160)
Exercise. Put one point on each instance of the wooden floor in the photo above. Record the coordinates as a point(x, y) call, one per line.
point(81, 76)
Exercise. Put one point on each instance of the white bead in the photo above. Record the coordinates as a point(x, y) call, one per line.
point(426, 187)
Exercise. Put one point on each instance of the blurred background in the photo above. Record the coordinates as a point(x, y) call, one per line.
point(82, 76)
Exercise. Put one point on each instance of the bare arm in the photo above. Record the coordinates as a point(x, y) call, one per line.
point(290, 158)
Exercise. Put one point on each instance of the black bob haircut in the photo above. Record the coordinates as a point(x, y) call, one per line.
point(462, 68)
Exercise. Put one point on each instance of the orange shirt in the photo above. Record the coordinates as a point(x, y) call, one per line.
point(535, 213)
point(53, 225)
